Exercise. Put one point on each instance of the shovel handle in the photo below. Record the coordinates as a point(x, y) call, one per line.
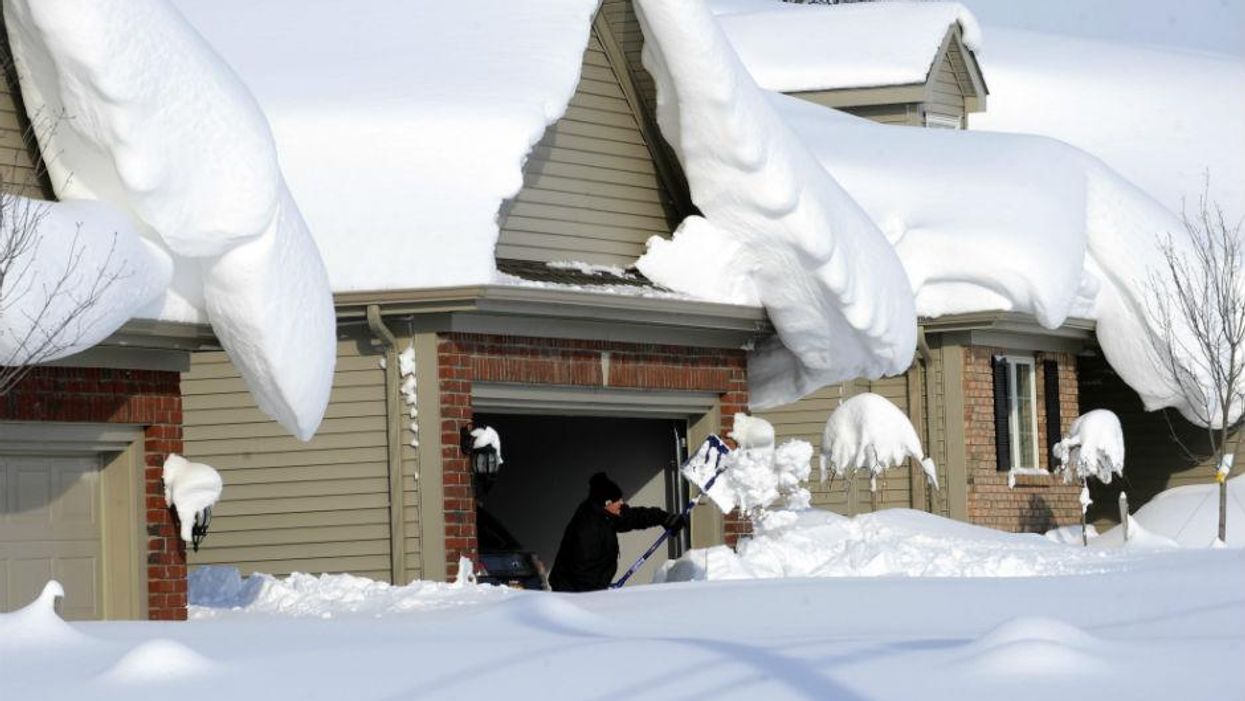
point(719, 449)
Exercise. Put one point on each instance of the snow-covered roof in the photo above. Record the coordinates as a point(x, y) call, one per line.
point(979, 221)
point(402, 126)
point(797, 47)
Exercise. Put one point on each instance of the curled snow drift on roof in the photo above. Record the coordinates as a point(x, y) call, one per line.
point(1023, 223)
point(82, 273)
point(402, 125)
point(833, 287)
point(789, 47)
point(145, 116)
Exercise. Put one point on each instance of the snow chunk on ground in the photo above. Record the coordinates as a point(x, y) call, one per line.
point(869, 432)
point(413, 129)
point(36, 624)
point(1035, 647)
point(270, 306)
point(1094, 447)
point(159, 660)
point(65, 254)
point(834, 289)
point(789, 47)
point(191, 488)
point(217, 592)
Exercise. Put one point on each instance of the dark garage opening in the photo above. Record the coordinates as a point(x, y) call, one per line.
point(548, 460)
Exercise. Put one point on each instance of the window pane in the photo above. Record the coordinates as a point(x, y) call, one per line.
point(1026, 440)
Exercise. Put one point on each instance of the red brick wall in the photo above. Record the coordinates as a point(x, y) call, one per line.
point(1038, 502)
point(148, 398)
point(464, 358)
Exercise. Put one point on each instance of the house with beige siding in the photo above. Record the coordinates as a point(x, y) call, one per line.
point(82, 440)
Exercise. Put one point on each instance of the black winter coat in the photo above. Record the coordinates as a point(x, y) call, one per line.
point(588, 556)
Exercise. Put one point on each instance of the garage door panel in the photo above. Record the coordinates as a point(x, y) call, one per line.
point(50, 529)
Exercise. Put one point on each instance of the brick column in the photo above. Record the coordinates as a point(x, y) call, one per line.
point(454, 382)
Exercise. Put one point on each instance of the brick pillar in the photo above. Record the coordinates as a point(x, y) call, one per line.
point(454, 382)
point(166, 552)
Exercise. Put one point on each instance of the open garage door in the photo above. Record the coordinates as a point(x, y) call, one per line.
point(548, 460)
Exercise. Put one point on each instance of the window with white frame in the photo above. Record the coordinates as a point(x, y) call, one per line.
point(1022, 411)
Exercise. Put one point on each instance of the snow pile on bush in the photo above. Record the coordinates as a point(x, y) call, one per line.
point(868, 432)
point(1094, 447)
point(836, 292)
point(217, 592)
point(157, 125)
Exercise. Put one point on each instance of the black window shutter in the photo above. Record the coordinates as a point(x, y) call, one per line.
point(1050, 383)
point(1002, 409)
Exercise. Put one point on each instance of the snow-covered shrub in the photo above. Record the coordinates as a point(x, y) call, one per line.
point(868, 432)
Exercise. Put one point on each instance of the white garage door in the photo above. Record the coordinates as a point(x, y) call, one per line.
point(50, 528)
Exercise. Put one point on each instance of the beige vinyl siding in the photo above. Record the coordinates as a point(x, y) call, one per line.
point(18, 152)
point(946, 92)
point(621, 17)
point(590, 189)
point(320, 506)
point(805, 420)
point(902, 114)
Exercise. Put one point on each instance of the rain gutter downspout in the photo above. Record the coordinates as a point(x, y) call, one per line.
point(393, 431)
point(927, 356)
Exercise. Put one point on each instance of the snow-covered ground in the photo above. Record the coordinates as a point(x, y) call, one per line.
point(981, 614)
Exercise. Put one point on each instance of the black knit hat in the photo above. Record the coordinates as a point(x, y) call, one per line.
point(602, 489)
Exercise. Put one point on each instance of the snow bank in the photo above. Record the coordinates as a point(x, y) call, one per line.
point(77, 250)
point(159, 660)
point(1093, 447)
point(1030, 647)
point(191, 488)
point(1189, 516)
point(834, 289)
point(1032, 225)
point(156, 124)
point(217, 592)
point(403, 126)
point(868, 432)
point(893, 542)
point(789, 47)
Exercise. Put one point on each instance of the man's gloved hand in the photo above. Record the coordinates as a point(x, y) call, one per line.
point(675, 522)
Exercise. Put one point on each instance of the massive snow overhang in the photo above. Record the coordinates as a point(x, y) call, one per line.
point(777, 228)
point(403, 125)
point(132, 108)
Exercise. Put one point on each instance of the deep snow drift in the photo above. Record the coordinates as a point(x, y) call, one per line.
point(132, 107)
point(1157, 626)
point(834, 289)
point(402, 126)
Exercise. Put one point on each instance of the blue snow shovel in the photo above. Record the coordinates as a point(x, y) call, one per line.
point(714, 449)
